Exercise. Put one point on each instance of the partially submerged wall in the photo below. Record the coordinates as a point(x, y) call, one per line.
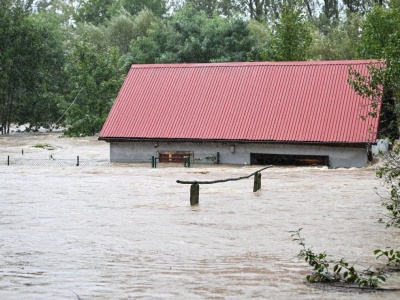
point(236, 153)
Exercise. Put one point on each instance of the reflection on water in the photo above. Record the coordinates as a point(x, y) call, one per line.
point(130, 233)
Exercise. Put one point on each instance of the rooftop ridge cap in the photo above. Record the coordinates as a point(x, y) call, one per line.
point(255, 64)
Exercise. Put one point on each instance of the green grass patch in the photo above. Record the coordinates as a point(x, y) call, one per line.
point(44, 146)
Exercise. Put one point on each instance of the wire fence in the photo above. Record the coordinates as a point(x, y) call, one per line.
point(153, 162)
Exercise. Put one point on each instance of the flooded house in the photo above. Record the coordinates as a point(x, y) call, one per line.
point(242, 113)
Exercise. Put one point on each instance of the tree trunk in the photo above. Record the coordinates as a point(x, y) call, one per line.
point(307, 2)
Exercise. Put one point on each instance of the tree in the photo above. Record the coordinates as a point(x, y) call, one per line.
point(95, 35)
point(259, 34)
point(340, 41)
point(331, 9)
point(192, 36)
point(30, 61)
point(65, 9)
point(381, 40)
point(124, 28)
point(291, 36)
point(96, 11)
point(95, 78)
point(42, 66)
point(357, 6)
point(257, 9)
point(220, 7)
point(6, 20)
point(157, 7)
point(147, 49)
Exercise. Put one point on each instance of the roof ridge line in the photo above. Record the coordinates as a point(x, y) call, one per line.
point(255, 64)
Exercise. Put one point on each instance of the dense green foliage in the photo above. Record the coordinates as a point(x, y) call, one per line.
point(291, 38)
point(192, 36)
point(381, 40)
point(64, 60)
point(96, 76)
point(31, 53)
point(389, 171)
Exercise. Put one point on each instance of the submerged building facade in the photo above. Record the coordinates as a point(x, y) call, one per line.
point(242, 113)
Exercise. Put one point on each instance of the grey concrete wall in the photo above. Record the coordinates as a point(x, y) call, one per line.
point(204, 152)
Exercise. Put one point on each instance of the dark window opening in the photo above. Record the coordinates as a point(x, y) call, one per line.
point(174, 156)
point(288, 160)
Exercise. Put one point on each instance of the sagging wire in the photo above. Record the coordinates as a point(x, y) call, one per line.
point(69, 107)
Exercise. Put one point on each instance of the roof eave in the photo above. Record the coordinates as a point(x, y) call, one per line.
point(182, 140)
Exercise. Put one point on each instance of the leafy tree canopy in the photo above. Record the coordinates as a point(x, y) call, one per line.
point(31, 58)
point(381, 40)
point(192, 36)
point(95, 79)
point(44, 35)
point(291, 37)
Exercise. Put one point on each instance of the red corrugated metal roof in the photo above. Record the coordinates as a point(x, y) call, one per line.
point(258, 101)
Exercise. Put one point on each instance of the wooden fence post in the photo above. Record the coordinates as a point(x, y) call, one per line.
point(194, 194)
point(195, 185)
point(257, 182)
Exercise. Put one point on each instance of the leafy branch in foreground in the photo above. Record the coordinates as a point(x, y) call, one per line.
point(392, 256)
point(389, 171)
point(341, 271)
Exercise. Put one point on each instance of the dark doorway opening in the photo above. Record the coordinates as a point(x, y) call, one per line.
point(288, 160)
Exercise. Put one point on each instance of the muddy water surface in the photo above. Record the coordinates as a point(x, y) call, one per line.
point(109, 232)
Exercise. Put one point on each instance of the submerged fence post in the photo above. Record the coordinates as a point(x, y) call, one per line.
point(154, 161)
point(257, 182)
point(186, 161)
point(194, 194)
point(195, 185)
point(77, 161)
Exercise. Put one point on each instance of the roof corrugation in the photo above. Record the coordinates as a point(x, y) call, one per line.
point(262, 101)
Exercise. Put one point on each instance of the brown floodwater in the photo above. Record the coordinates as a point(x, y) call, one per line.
point(112, 232)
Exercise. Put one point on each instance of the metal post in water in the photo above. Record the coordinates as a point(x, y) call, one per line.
point(154, 162)
point(186, 161)
point(77, 161)
point(257, 182)
point(194, 194)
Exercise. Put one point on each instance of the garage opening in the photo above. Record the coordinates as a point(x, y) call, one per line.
point(288, 160)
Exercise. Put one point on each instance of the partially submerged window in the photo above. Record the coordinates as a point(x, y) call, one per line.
point(287, 160)
point(174, 156)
